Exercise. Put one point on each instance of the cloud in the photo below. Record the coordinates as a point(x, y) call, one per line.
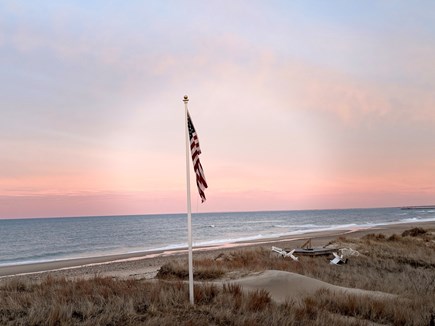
point(147, 61)
point(89, 203)
point(286, 109)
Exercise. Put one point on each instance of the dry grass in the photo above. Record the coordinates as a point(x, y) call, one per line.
point(401, 264)
point(104, 301)
point(203, 271)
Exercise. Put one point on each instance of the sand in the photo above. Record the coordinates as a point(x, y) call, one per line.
point(286, 286)
point(281, 285)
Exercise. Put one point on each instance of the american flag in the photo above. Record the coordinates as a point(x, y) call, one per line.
point(195, 150)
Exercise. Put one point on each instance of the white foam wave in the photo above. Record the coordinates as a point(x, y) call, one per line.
point(415, 219)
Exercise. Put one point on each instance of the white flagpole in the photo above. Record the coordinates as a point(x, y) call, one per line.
point(189, 209)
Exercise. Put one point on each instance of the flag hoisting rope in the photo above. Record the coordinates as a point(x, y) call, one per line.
point(192, 142)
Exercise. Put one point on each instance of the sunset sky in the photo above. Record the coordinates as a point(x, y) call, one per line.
point(298, 105)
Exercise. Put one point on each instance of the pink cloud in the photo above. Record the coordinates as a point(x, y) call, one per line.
point(277, 133)
point(90, 203)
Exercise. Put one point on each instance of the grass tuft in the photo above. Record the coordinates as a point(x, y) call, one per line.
point(258, 300)
point(415, 232)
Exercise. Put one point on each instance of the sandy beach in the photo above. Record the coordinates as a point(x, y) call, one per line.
point(388, 279)
point(146, 265)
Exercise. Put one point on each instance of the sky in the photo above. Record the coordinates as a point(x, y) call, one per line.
point(297, 104)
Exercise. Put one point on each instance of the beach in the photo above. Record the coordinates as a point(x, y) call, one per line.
point(145, 265)
point(386, 278)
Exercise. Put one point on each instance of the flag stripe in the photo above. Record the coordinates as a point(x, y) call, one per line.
point(195, 150)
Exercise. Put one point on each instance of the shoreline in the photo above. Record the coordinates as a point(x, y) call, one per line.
point(144, 263)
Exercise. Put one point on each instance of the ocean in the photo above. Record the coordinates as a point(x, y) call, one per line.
point(34, 240)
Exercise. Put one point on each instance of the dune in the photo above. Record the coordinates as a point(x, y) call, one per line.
point(284, 286)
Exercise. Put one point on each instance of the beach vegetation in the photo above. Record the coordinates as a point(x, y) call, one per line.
point(414, 232)
point(402, 266)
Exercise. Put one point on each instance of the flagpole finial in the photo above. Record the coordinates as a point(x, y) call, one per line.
point(186, 99)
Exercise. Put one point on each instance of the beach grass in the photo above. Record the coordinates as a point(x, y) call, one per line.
point(400, 264)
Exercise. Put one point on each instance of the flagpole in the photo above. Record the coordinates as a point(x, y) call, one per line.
point(189, 208)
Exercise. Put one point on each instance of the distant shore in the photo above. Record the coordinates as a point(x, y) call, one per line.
point(418, 207)
point(146, 264)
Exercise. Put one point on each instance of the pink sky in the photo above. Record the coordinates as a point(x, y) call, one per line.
point(297, 105)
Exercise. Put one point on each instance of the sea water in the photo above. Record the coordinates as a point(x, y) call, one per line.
point(49, 239)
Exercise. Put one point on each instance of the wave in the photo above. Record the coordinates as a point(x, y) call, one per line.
point(301, 230)
point(298, 226)
point(416, 219)
point(315, 226)
point(255, 222)
point(229, 240)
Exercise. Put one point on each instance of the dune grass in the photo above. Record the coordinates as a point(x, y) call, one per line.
point(400, 264)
